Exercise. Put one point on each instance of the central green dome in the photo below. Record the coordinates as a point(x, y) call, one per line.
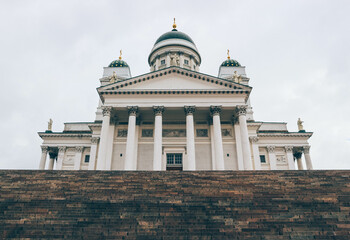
point(174, 34)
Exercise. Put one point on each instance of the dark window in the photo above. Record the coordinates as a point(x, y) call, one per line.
point(162, 62)
point(186, 62)
point(262, 159)
point(87, 158)
point(174, 161)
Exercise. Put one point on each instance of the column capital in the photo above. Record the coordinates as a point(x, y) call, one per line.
point(44, 149)
point(106, 111)
point(79, 149)
point(53, 154)
point(189, 110)
point(94, 140)
point(270, 149)
point(62, 149)
point(133, 110)
point(306, 149)
point(241, 110)
point(158, 110)
point(297, 155)
point(254, 139)
point(215, 110)
point(288, 148)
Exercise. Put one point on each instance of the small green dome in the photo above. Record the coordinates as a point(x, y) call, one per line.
point(230, 63)
point(118, 63)
point(174, 34)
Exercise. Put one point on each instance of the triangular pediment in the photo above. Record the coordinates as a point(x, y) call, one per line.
point(174, 78)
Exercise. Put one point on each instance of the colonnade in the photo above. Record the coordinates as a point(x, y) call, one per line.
point(105, 148)
point(103, 153)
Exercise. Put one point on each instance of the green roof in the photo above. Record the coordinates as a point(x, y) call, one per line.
point(118, 63)
point(174, 34)
point(230, 63)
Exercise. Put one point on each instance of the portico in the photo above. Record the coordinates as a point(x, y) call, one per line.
point(170, 127)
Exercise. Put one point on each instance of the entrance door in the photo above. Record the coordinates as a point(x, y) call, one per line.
point(174, 161)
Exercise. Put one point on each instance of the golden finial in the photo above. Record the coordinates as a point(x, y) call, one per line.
point(228, 54)
point(174, 25)
point(120, 56)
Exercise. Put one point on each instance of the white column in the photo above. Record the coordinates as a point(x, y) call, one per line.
point(181, 58)
point(240, 163)
point(93, 151)
point(77, 159)
point(136, 145)
point(102, 151)
point(192, 63)
point(191, 152)
point(256, 155)
point(60, 157)
point(297, 156)
point(212, 145)
point(272, 157)
point(129, 163)
point(306, 150)
point(219, 151)
point(53, 156)
point(290, 158)
point(157, 159)
point(42, 163)
point(167, 60)
point(241, 111)
point(157, 64)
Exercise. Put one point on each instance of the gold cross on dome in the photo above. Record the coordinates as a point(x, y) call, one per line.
point(120, 56)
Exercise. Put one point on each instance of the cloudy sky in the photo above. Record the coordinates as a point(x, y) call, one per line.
point(297, 54)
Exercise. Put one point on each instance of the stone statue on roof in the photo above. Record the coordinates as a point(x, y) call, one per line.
point(113, 78)
point(49, 125)
point(300, 125)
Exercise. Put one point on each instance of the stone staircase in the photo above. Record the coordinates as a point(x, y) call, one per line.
point(175, 205)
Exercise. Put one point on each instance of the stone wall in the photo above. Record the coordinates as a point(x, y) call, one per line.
point(175, 205)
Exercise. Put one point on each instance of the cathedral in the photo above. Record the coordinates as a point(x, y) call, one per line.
point(175, 118)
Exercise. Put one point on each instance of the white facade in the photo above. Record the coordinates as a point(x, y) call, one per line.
point(175, 118)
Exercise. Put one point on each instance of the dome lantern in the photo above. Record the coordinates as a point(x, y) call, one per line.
point(174, 48)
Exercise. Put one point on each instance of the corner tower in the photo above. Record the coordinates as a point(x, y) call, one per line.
point(174, 48)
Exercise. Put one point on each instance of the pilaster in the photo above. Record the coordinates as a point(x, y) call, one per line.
point(78, 155)
point(256, 155)
point(272, 157)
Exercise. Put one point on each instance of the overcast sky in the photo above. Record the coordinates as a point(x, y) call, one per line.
point(296, 53)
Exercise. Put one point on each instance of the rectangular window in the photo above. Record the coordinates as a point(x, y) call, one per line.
point(186, 62)
point(162, 62)
point(262, 159)
point(87, 158)
point(174, 159)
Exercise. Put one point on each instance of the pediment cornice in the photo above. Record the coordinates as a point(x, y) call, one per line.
point(227, 85)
